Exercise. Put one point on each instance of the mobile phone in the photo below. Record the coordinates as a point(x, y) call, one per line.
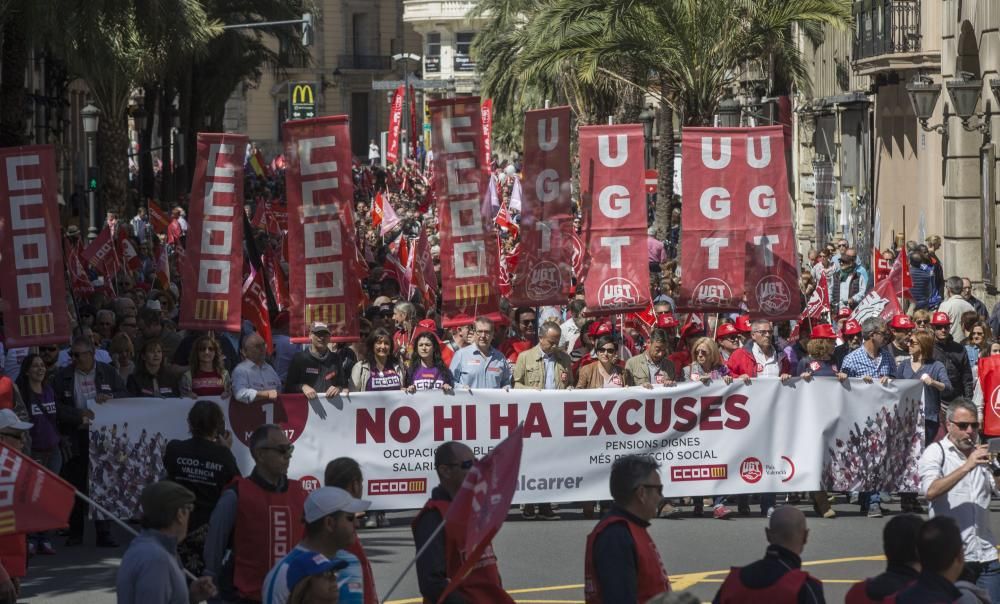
point(994, 446)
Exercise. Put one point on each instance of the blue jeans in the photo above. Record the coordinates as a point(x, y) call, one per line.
point(989, 579)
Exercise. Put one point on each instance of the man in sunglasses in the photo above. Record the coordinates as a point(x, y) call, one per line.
point(442, 559)
point(954, 358)
point(958, 478)
point(525, 333)
point(621, 563)
point(257, 520)
point(850, 282)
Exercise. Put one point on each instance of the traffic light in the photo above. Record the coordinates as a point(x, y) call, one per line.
point(93, 177)
point(307, 29)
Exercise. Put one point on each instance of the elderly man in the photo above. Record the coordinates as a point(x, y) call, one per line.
point(976, 303)
point(481, 365)
point(443, 556)
point(150, 570)
point(254, 379)
point(621, 563)
point(778, 578)
point(955, 306)
point(257, 520)
point(849, 283)
point(652, 367)
point(958, 480)
point(759, 358)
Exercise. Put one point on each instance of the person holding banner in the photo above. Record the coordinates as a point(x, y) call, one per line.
point(481, 365)
point(379, 370)
point(442, 550)
point(621, 563)
point(317, 371)
point(153, 377)
point(760, 358)
point(206, 374)
point(40, 401)
point(922, 366)
point(608, 371)
point(254, 379)
point(427, 370)
point(729, 340)
point(652, 366)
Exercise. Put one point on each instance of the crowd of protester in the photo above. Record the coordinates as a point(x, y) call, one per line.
point(126, 342)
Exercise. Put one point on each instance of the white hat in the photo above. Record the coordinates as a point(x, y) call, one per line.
point(154, 304)
point(327, 500)
point(9, 419)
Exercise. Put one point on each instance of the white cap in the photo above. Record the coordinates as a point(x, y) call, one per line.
point(9, 419)
point(154, 304)
point(327, 500)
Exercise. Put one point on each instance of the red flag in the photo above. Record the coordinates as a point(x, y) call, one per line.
point(32, 499)
point(254, 306)
point(900, 274)
point(819, 302)
point(611, 182)
point(277, 278)
point(424, 276)
point(880, 302)
point(158, 219)
point(989, 379)
point(503, 220)
point(395, 124)
point(377, 210)
point(213, 267)
point(79, 279)
point(481, 505)
point(102, 254)
point(389, 219)
point(162, 263)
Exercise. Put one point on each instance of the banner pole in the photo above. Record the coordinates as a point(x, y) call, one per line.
point(420, 552)
point(121, 523)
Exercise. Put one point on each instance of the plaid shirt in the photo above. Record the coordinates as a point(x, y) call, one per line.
point(859, 364)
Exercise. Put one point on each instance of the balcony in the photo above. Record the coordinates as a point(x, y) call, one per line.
point(365, 62)
point(888, 37)
point(436, 10)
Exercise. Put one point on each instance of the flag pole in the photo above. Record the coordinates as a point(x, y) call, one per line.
point(420, 552)
point(121, 523)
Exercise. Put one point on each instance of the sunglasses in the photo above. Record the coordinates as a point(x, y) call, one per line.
point(280, 449)
point(608, 350)
point(465, 465)
point(966, 425)
point(924, 322)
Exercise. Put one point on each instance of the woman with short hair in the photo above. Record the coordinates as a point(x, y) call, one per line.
point(152, 376)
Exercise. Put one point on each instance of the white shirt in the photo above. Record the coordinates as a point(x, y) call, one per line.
point(968, 502)
point(768, 366)
point(955, 306)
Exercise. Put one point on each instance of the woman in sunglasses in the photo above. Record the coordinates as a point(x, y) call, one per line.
point(206, 374)
point(608, 371)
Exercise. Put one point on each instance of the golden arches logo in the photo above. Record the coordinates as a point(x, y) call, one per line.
point(303, 94)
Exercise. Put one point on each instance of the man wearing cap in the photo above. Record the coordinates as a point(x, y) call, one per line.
point(257, 520)
point(317, 371)
point(901, 326)
point(254, 379)
point(13, 548)
point(481, 365)
point(150, 570)
point(330, 515)
point(444, 555)
point(955, 305)
point(652, 367)
point(954, 358)
point(849, 283)
point(850, 335)
point(729, 340)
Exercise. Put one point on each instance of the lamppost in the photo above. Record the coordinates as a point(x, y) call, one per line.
point(646, 118)
point(964, 95)
point(91, 118)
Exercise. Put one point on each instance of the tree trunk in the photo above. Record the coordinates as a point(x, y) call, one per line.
point(665, 169)
point(13, 63)
point(147, 181)
point(112, 142)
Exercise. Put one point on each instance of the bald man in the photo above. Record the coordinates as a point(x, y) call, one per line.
point(778, 577)
point(254, 379)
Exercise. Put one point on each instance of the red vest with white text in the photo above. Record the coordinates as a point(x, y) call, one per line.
point(483, 583)
point(268, 525)
point(651, 577)
point(784, 590)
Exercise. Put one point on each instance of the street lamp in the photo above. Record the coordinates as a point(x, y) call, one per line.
point(924, 93)
point(964, 95)
point(91, 118)
point(647, 117)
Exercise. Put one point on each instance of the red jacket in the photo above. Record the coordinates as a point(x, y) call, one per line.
point(742, 362)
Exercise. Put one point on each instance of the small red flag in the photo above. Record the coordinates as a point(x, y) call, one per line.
point(102, 254)
point(158, 218)
point(819, 301)
point(32, 499)
point(481, 505)
point(900, 275)
point(377, 210)
point(255, 306)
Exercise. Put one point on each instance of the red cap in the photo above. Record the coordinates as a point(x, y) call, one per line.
point(726, 329)
point(851, 327)
point(691, 329)
point(901, 322)
point(940, 318)
point(823, 331)
point(666, 321)
point(598, 329)
point(743, 323)
point(844, 313)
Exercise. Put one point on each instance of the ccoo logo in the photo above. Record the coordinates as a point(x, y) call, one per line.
point(712, 292)
point(617, 291)
point(773, 295)
point(751, 470)
point(544, 279)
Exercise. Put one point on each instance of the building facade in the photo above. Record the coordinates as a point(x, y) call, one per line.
point(446, 33)
point(353, 45)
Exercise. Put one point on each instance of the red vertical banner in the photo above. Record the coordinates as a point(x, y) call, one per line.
point(213, 269)
point(989, 380)
point(544, 272)
point(612, 162)
point(469, 255)
point(738, 232)
point(413, 122)
point(34, 293)
point(487, 121)
point(323, 282)
point(395, 124)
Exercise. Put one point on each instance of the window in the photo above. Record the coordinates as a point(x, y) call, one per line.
point(432, 56)
point(463, 45)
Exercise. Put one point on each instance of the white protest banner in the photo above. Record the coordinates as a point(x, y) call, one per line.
point(711, 440)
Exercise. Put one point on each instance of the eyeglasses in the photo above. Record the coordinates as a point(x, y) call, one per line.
point(945, 327)
point(841, 245)
point(965, 425)
point(922, 322)
point(484, 332)
point(13, 435)
point(608, 350)
point(700, 352)
point(656, 487)
point(762, 332)
point(465, 465)
point(280, 449)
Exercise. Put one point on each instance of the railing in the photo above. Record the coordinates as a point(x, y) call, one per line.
point(369, 62)
point(885, 27)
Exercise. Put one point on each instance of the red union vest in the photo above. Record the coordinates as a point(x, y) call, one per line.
point(858, 594)
point(268, 525)
point(371, 597)
point(483, 583)
point(785, 590)
point(14, 554)
point(651, 577)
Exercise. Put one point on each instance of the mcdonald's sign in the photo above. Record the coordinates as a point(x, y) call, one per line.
point(302, 100)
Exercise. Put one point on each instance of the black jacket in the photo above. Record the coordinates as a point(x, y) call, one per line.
point(956, 362)
point(70, 417)
point(929, 589)
point(895, 578)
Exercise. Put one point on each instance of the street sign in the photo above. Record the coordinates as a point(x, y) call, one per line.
point(417, 84)
point(303, 100)
point(651, 180)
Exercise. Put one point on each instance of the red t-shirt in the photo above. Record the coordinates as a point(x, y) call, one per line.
point(207, 383)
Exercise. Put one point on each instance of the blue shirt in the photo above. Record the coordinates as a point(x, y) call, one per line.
point(858, 364)
point(150, 572)
point(472, 368)
point(286, 574)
